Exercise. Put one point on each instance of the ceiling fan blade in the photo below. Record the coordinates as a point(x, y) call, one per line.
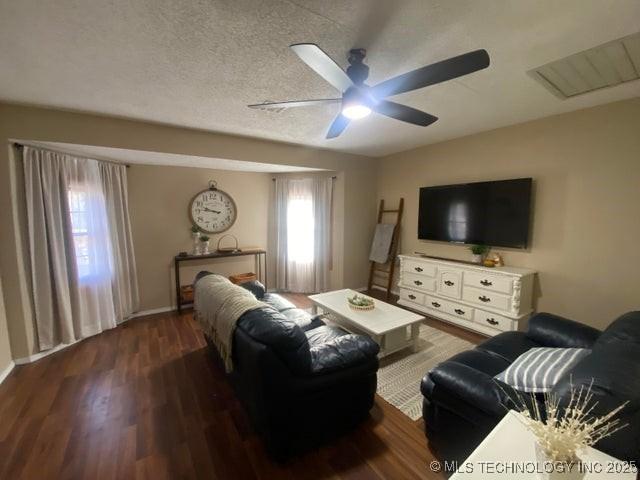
point(404, 113)
point(338, 126)
point(431, 74)
point(323, 65)
point(294, 103)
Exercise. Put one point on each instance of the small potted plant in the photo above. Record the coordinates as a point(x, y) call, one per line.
point(195, 234)
point(204, 244)
point(478, 251)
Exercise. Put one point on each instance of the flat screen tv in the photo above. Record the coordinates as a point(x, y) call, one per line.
point(486, 213)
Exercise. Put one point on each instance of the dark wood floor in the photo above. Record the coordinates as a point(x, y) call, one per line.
point(145, 400)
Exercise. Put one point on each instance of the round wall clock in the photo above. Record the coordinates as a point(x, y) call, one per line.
point(212, 210)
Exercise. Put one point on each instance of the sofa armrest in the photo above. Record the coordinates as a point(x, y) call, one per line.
point(255, 287)
point(553, 331)
point(342, 352)
point(467, 386)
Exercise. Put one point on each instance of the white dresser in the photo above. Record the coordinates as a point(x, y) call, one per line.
point(486, 300)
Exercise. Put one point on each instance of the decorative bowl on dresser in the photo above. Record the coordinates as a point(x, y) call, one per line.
point(486, 300)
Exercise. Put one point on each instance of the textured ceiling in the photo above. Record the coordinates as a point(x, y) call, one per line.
point(123, 155)
point(198, 63)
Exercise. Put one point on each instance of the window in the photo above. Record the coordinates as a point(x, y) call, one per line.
point(88, 227)
point(300, 229)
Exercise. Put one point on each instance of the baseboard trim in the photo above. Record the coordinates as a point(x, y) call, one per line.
point(5, 373)
point(46, 353)
point(144, 313)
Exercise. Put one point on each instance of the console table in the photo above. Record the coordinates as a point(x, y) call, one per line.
point(260, 258)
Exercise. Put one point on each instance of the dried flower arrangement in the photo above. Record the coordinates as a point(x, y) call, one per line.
point(562, 432)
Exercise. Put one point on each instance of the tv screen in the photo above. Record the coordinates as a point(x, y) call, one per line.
point(486, 213)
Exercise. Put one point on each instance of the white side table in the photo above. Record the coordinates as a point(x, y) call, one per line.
point(508, 452)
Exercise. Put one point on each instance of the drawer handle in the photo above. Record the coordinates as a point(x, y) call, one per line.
point(486, 283)
point(492, 321)
point(484, 298)
point(412, 297)
point(449, 283)
point(436, 304)
point(459, 312)
point(417, 269)
point(417, 282)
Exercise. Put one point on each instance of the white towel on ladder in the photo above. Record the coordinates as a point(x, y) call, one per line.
point(382, 242)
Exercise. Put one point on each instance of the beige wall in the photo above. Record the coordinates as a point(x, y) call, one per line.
point(586, 209)
point(5, 348)
point(38, 124)
point(158, 201)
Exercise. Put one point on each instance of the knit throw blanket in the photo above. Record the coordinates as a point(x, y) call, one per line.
point(218, 304)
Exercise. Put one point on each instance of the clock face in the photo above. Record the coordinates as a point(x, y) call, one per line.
point(213, 211)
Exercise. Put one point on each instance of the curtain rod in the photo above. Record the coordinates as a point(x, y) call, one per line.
point(20, 146)
point(332, 178)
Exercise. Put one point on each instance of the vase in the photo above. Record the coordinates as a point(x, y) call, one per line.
point(553, 470)
point(196, 242)
point(476, 259)
point(204, 248)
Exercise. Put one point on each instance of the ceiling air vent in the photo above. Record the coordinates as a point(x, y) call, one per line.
point(603, 66)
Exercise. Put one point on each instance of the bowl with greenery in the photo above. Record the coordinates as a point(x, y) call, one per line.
point(361, 303)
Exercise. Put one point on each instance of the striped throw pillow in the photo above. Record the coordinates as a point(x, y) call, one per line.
point(539, 369)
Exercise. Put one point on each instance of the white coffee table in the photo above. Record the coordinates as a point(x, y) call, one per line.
point(510, 447)
point(386, 324)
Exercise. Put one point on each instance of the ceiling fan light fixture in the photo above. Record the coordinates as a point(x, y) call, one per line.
point(355, 111)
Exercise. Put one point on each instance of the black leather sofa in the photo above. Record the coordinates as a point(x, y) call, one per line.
point(301, 382)
point(462, 401)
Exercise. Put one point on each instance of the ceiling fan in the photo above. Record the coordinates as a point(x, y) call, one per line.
point(359, 100)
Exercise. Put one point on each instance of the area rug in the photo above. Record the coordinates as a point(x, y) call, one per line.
point(400, 373)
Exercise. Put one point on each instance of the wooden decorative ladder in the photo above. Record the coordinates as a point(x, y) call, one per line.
point(386, 270)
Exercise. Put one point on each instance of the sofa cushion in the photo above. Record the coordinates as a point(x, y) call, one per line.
point(323, 334)
point(333, 350)
point(625, 328)
point(482, 361)
point(277, 302)
point(508, 345)
point(539, 369)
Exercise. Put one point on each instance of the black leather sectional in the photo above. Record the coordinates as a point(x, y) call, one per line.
point(302, 382)
point(462, 401)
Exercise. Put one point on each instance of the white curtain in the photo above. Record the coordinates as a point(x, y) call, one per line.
point(75, 249)
point(303, 243)
point(125, 277)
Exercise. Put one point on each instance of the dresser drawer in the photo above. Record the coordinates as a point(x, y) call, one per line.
point(484, 297)
point(412, 266)
point(411, 296)
point(418, 281)
point(461, 311)
point(493, 320)
point(450, 283)
point(495, 283)
point(436, 303)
